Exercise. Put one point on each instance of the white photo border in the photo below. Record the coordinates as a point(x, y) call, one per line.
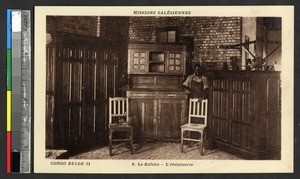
point(285, 165)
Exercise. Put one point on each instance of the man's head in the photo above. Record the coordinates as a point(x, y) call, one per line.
point(234, 60)
point(197, 69)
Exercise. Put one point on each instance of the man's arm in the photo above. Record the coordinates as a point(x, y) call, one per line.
point(187, 82)
point(205, 86)
point(205, 82)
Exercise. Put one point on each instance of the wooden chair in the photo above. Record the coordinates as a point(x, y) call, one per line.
point(197, 111)
point(118, 122)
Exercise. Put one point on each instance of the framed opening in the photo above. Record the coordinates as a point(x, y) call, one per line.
point(168, 35)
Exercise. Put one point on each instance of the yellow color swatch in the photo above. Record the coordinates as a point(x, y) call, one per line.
point(8, 111)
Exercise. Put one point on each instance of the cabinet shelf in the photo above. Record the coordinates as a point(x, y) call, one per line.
point(168, 59)
point(157, 67)
point(156, 62)
point(156, 56)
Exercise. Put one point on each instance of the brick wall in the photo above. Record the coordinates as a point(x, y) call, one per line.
point(115, 29)
point(84, 25)
point(204, 35)
point(207, 34)
point(111, 29)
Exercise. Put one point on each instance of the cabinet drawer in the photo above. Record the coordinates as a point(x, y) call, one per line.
point(156, 82)
point(175, 95)
point(157, 95)
point(140, 94)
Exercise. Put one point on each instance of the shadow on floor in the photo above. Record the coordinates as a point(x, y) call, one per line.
point(154, 151)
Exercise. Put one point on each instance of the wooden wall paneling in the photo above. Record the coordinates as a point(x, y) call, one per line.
point(273, 113)
point(101, 94)
point(241, 127)
point(254, 118)
point(90, 104)
point(50, 95)
point(85, 76)
point(220, 109)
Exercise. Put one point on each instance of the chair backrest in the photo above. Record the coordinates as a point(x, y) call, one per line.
point(118, 109)
point(198, 110)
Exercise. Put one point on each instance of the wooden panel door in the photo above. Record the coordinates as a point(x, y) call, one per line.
point(220, 110)
point(269, 112)
point(89, 78)
point(232, 120)
point(72, 60)
point(143, 115)
point(171, 115)
point(90, 122)
point(100, 83)
point(106, 86)
point(273, 113)
point(242, 118)
point(50, 96)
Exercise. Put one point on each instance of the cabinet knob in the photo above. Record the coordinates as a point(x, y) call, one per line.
point(171, 95)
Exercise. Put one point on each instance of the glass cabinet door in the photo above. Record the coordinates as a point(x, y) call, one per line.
point(138, 62)
point(175, 62)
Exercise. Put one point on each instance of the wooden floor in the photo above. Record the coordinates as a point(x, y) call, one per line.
point(157, 150)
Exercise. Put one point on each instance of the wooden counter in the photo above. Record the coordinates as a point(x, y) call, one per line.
point(157, 115)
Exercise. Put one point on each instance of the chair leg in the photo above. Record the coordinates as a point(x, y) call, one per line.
point(131, 141)
point(181, 143)
point(201, 147)
point(110, 142)
point(189, 142)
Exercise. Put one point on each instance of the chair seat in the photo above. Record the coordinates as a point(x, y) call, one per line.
point(118, 118)
point(193, 126)
point(197, 109)
point(120, 127)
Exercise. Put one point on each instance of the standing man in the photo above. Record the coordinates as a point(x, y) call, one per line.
point(197, 84)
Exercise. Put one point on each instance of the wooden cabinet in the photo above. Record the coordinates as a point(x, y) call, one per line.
point(81, 75)
point(245, 113)
point(157, 115)
point(157, 103)
point(156, 59)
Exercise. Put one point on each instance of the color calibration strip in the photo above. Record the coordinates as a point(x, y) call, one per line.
point(8, 88)
point(18, 91)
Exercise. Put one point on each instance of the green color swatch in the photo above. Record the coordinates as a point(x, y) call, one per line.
point(8, 69)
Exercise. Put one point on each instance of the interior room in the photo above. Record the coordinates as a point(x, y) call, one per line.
point(145, 60)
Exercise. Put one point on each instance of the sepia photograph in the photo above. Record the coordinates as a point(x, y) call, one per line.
point(163, 89)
